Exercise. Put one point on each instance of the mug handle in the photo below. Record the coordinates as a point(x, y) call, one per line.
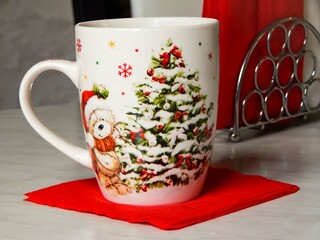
point(70, 69)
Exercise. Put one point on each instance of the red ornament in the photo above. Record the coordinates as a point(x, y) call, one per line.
point(196, 98)
point(162, 79)
point(160, 127)
point(177, 116)
point(181, 89)
point(141, 134)
point(144, 188)
point(203, 108)
point(132, 135)
point(150, 72)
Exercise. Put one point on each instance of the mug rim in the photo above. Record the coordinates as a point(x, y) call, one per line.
point(148, 23)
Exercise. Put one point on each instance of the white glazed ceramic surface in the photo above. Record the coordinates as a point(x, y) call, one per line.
point(148, 92)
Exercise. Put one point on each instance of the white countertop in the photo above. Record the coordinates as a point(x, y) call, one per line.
point(28, 163)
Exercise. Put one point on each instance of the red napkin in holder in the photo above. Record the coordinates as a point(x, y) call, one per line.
point(240, 23)
point(225, 191)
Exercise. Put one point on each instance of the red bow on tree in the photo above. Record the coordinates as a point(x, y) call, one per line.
point(175, 51)
point(179, 115)
point(184, 158)
point(139, 134)
point(160, 79)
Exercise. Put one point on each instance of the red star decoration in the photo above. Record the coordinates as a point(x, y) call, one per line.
point(210, 56)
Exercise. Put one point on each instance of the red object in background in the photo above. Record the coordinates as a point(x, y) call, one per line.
point(225, 191)
point(240, 23)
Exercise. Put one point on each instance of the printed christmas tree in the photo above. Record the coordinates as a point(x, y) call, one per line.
point(170, 128)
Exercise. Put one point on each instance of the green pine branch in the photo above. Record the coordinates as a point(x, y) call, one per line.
point(102, 93)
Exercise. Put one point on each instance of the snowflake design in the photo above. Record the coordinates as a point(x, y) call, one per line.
point(125, 70)
point(79, 45)
point(210, 56)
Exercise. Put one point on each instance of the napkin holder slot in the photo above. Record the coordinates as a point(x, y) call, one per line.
point(241, 99)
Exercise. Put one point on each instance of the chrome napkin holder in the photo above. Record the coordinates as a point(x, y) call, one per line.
point(287, 25)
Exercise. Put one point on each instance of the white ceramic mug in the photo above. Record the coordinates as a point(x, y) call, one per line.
point(148, 92)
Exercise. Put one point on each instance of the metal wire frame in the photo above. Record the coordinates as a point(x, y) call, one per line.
point(287, 25)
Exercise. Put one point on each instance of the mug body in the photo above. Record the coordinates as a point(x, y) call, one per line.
point(148, 95)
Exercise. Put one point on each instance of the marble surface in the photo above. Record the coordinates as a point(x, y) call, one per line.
point(27, 163)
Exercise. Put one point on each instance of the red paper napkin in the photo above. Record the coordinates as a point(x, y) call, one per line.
point(240, 23)
point(225, 191)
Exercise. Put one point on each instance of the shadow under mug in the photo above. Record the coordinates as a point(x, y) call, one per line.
point(148, 90)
